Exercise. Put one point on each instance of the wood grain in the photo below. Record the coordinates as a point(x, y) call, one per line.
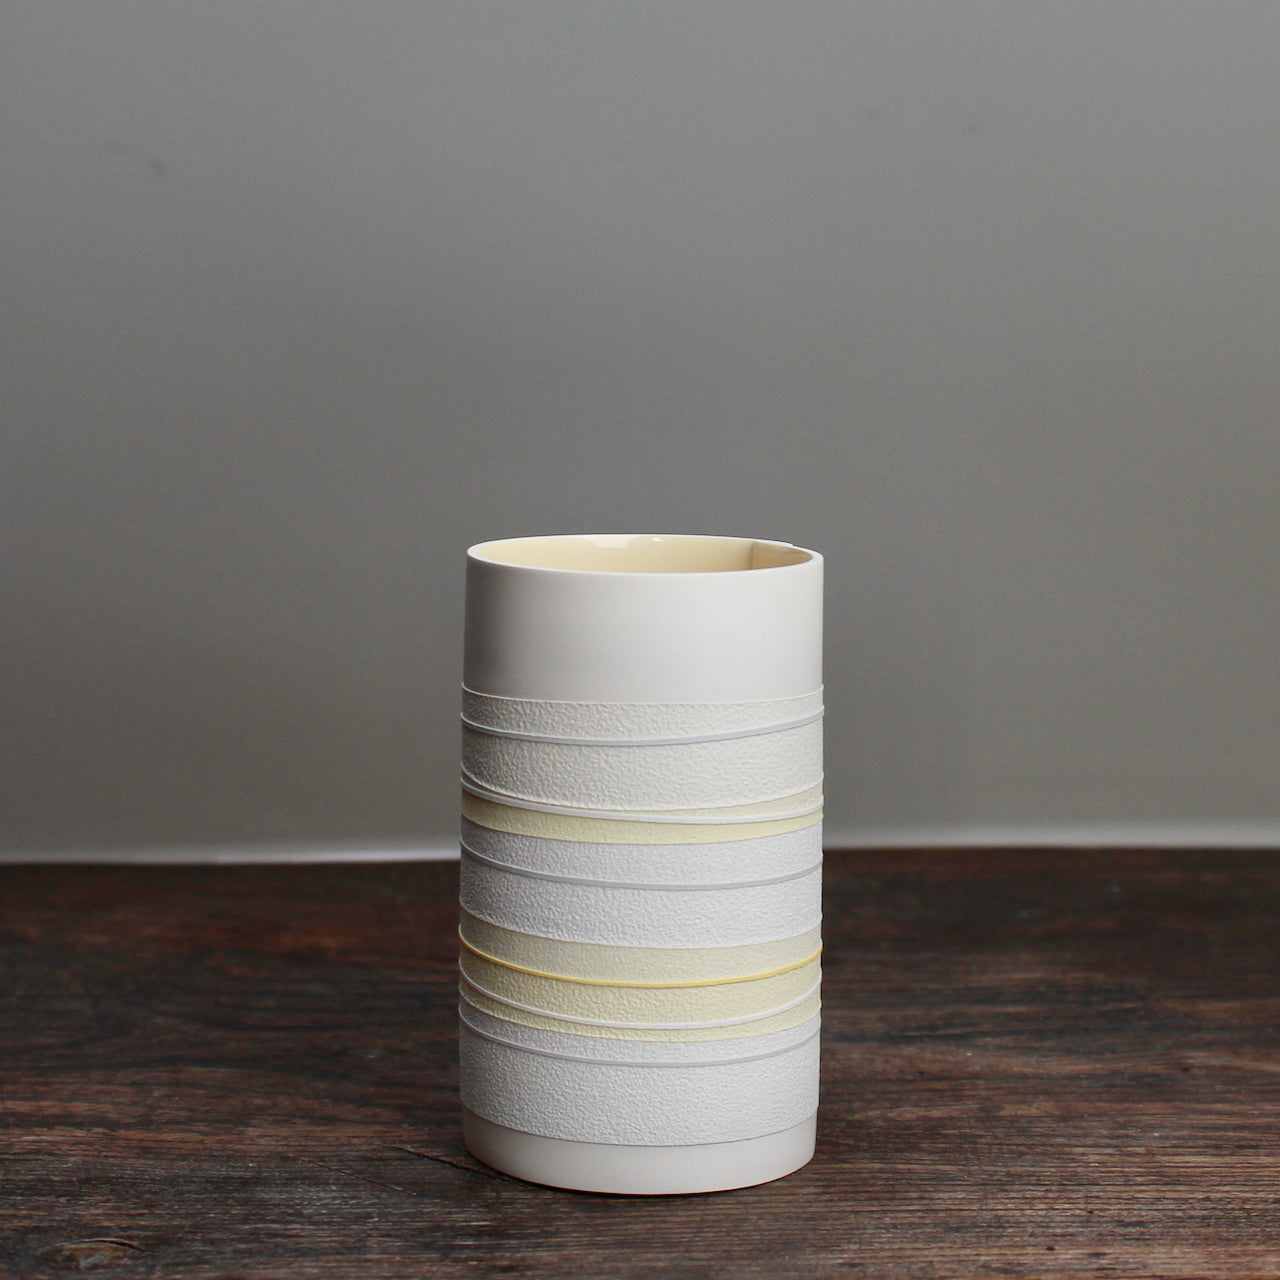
point(1036, 1063)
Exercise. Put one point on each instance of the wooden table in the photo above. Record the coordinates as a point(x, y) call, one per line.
point(1037, 1063)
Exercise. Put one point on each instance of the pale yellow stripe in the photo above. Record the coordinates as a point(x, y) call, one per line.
point(676, 966)
point(783, 1021)
point(560, 826)
point(639, 964)
point(719, 1002)
point(778, 808)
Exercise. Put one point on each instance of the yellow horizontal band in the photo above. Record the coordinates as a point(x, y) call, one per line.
point(807, 1008)
point(613, 982)
point(646, 1006)
point(614, 964)
point(558, 826)
point(794, 804)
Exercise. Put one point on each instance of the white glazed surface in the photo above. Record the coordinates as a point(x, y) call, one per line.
point(586, 636)
point(640, 1171)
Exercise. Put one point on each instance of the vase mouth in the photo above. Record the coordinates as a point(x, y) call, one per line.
point(648, 553)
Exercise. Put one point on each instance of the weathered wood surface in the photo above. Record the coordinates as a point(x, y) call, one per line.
point(1036, 1064)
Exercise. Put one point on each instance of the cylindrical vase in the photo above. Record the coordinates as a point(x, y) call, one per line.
point(641, 860)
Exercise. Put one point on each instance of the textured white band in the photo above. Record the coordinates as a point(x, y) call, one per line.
point(649, 917)
point(722, 864)
point(628, 723)
point(686, 775)
point(637, 1104)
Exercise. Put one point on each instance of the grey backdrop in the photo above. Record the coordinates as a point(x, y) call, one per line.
point(982, 300)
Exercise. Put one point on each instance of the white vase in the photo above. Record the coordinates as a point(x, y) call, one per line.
point(641, 860)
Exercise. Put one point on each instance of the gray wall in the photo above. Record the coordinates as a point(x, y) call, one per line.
point(300, 298)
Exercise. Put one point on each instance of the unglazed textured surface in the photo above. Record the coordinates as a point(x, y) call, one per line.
point(647, 776)
point(719, 864)
point(635, 1103)
point(629, 722)
point(705, 916)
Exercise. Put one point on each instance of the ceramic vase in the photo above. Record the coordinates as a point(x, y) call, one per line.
point(641, 860)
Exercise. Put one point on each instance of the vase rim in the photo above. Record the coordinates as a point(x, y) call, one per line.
point(642, 553)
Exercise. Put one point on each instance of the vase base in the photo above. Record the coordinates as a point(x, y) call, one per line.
point(638, 1171)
